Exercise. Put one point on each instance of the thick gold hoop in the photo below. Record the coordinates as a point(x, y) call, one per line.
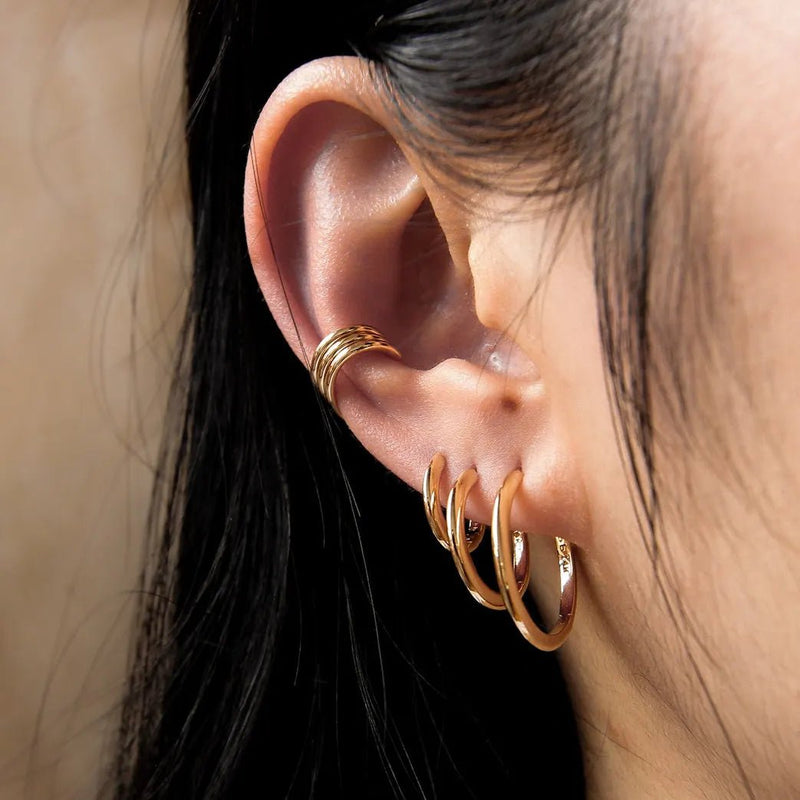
point(456, 535)
point(502, 552)
point(433, 508)
point(336, 349)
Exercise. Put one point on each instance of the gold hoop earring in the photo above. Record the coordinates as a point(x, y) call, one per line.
point(339, 347)
point(433, 508)
point(512, 597)
point(477, 587)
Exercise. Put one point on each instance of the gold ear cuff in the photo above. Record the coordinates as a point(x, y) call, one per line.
point(339, 347)
point(509, 553)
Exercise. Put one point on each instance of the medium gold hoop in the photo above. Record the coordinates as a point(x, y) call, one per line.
point(337, 348)
point(456, 535)
point(433, 508)
point(511, 595)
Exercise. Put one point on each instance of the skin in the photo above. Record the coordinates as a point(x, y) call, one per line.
point(684, 675)
point(642, 684)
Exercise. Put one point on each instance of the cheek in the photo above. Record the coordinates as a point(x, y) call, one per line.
point(751, 143)
point(730, 488)
point(760, 223)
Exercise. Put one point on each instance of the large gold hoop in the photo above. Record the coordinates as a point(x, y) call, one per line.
point(503, 559)
point(337, 348)
point(456, 535)
point(433, 508)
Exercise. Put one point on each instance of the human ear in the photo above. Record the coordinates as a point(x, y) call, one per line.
point(346, 226)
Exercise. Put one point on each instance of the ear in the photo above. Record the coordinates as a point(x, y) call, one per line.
point(346, 226)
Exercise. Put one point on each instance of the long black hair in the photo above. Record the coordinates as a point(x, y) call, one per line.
point(300, 632)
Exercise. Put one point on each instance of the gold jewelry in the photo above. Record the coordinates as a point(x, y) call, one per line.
point(433, 508)
point(503, 553)
point(508, 548)
point(477, 587)
point(339, 347)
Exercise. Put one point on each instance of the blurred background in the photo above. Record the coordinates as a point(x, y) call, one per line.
point(93, 249)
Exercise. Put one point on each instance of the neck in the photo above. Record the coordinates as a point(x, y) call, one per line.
point(636, 743)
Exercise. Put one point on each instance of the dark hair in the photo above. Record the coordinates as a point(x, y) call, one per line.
point(294, 638)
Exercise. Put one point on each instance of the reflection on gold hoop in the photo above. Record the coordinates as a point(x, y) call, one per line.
point(502, 550)
point(478, 588)
point(433, 508)
point(337, 348)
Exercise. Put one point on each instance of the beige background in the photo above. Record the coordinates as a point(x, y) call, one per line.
point(91, 269)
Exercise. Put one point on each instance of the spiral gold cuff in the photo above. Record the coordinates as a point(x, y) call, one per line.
point(339, 347)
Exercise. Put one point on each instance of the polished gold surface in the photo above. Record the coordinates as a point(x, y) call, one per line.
point(433, 508)
point(503, 548)
point(339, 347)
point(457, 537)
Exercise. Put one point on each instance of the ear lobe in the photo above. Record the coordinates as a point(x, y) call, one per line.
point(343, 230)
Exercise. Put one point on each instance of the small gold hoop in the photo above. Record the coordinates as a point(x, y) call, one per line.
point(433, 508)
point(477, 587)
point(512, 597)
point(339, 347)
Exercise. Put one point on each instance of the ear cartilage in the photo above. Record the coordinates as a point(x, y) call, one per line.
point(339, 347)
